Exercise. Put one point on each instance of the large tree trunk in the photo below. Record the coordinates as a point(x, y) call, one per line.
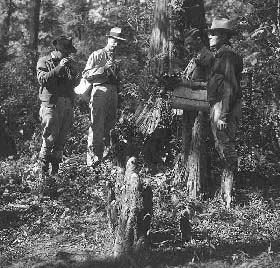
point(159, 44)
point(194, 126)
point(34, 31)
point(197, 158)
point(34, 24)
point(7, 9)
point(129, 212)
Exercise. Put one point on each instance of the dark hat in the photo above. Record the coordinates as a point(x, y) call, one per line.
point(116, 33)
point(193, 32)
point(64, 43)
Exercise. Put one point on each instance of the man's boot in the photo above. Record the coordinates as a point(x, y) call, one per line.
point(40, 183)
point(55, 167)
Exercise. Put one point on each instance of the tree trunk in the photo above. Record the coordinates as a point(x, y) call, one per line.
point(9, 7)
point(34, 31)
point(159, 43)
point(129, 211)
point(34, 24)
point(187, 124)
point(194, 127)
point(197, 159)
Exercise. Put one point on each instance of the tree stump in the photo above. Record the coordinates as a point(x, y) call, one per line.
point(130, 211)
point(197, 158)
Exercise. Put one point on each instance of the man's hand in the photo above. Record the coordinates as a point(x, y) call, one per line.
point(193, 84)
point(221, 125)
point(108, 64)
point(64, 62)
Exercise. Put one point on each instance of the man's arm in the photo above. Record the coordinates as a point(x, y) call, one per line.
point(92, 69)
point(229, 85)
point(45, 76)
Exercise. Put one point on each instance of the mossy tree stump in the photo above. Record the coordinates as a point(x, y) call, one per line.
point(129, 211)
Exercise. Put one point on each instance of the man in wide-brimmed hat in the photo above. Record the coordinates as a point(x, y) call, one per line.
point(103, 73)
point(57, 79)
point(224, 95)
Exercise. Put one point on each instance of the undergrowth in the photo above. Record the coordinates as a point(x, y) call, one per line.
point(73, 228)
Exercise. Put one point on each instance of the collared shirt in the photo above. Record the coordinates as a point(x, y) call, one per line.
point(225, 77)
point(95, 70)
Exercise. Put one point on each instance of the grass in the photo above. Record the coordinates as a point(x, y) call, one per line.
point(72, 230)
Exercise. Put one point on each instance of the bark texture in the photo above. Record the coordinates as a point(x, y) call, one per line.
point(34, 23)
point(130, 211)
point(7, 7)
point(197, 158)
point(159, 44)
point(194, 126)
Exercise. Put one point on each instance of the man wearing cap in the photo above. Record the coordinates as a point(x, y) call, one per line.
point(197, 72)
point(224, 95)
point(195, 77)
point(57, 79)
point(102, 71)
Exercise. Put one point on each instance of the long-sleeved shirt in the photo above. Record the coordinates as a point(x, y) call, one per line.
point(224, 82)
point(96, 71)
point(54, 80)
point(203, 62)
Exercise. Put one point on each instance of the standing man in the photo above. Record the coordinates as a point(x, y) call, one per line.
point(195, 77)
point(102, 71)
point(197, 72)
point(57, 79)
point(224, 95)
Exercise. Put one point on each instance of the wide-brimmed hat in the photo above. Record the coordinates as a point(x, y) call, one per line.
point(64, 43)
point(222, 23)
point(116, 33)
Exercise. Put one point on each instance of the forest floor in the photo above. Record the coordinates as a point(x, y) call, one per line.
point(72, 230)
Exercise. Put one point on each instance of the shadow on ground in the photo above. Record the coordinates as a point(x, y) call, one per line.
point(175, 257)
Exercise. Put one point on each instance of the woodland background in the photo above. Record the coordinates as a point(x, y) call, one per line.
point(73, 229)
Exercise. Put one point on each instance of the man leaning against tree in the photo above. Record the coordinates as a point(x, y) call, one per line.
point(102, 71)
point(224, 96)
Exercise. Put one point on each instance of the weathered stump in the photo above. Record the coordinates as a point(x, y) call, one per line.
point(129, 212)
point(197, 158)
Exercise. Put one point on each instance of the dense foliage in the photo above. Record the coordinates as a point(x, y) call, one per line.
point(88, 21)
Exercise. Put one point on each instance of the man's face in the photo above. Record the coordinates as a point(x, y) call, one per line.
point(217, 38)
point(192, 44)
point(112, 43)
point(62, 53)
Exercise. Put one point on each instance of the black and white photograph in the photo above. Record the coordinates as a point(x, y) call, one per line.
point(139, 133)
